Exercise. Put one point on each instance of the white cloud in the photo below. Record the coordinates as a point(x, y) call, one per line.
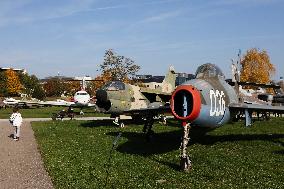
point(19, 12)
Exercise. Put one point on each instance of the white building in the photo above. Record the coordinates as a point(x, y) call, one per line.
point(24, 71)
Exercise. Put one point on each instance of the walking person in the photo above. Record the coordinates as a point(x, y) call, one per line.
point(16, 121)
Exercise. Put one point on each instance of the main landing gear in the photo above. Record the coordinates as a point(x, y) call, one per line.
point(116, 122)
point(147, 129)
point(185, 162)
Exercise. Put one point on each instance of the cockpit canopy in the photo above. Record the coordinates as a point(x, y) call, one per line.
point(208, 70)
point(114, 86)
point(82, 93)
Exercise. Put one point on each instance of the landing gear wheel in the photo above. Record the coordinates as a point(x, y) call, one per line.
point(185, 164)
point(164, 120)
point(147, 129)
point(121, 125)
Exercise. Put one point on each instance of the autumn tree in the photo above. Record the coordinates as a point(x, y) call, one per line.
point(256, 66)
point(54, 87)
point(102, 79)
point(119, 67)
point(13, 83)
point(71, 87)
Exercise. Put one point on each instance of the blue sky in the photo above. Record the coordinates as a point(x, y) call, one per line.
point(71, 36)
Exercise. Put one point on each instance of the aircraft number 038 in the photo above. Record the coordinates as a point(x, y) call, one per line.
point(218, 103)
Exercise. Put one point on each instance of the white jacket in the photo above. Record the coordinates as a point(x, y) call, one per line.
point(16, 119)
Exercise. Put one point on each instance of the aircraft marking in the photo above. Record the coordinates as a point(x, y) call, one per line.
point(217, 103)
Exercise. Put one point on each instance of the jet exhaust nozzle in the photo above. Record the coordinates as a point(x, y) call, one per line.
point(102, 100)
point(101, 95)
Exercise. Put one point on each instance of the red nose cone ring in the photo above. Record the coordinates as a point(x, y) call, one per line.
point(193, 103)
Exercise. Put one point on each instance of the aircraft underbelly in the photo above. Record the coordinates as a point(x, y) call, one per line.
point(205, 120)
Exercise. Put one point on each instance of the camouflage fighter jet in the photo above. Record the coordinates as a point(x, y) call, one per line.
point(118, 98)
point(209, 102)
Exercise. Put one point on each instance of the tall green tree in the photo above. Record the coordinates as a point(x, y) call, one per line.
point(256, 66)
point(31, 86)
point(119, 67)
point(3, 86)
point(38, 92)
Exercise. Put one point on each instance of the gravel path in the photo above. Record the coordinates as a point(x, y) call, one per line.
point(21, 165)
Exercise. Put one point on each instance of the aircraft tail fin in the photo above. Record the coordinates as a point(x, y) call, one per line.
point(168, 84)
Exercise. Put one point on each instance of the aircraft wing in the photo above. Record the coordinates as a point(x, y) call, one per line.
point(256, 107)
point(154, 94)
point(149, 110)
point(273, 86)
point(66, 104)
point(57, 103)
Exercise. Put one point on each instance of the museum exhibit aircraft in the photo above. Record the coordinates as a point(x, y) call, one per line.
point(277, 97)
point(118, 98)
point(209, 102)
point(81, 99)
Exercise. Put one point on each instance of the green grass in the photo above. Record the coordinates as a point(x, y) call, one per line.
point(76, 154)
point(46, 112)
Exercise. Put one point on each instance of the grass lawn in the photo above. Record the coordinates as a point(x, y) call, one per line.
point(46, 112)
point(76, 155)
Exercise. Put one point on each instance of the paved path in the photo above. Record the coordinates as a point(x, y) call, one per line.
point(21, 165)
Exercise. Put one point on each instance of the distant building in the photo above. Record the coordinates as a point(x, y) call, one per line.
point(86, 78)
point(141, 77)
point(24, 71)
point(183, 77)
point(63, 78)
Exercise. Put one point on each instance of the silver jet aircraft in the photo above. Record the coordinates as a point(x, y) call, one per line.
point(208, 102)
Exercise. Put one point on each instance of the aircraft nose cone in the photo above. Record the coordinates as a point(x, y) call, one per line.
point(102, 100)
point(101, 95)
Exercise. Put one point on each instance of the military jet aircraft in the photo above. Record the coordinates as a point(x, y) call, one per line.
point(118, 98)
point(209, 102)
point(278, 96)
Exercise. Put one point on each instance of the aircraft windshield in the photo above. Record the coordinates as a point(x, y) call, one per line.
point(208, 70)
point(114, 86)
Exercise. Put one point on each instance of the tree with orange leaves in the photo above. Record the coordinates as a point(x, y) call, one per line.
point(13, 83)
point(256, 66)
point(71, 87)
point(101, 80)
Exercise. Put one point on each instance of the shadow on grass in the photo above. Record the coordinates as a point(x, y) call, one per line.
point(159, 144)
point(168, 141)
point(105, 123)
point(212, 139)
